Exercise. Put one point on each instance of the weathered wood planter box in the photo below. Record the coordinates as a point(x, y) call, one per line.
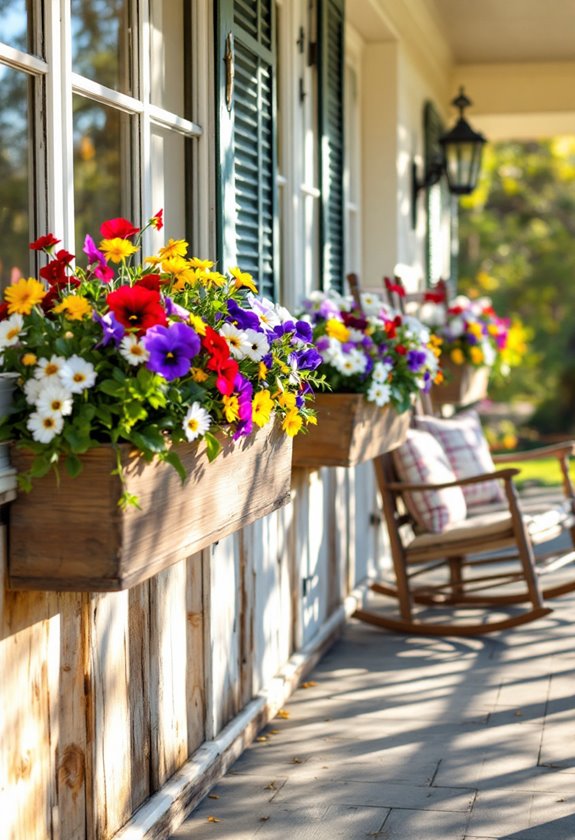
point(74, 537)
point(349, 430)
point(463, 385)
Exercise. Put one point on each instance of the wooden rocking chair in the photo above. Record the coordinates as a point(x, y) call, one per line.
point(501, 533)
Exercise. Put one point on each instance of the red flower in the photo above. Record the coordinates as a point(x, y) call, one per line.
point(455, 310)
point(216, 345)
point(401, 349)
point(118, 228)
point(434, 297)
point(43, 243)
point(226, 376)
point(64, 256)
point(150, 281)
point(394, 287)
point(391, 326)
point(226, 368)
point(137, 307)
point(157, 220)
point(54, 272)
point(3, 311)
point(52, 296)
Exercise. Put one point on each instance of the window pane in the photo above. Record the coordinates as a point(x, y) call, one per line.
point(16, 23)
point(16, 181)
point(102, 166)
point(168, 182)
point(101, 41)
point(167, 33)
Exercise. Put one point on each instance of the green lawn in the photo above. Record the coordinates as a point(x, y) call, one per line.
point(543, 472)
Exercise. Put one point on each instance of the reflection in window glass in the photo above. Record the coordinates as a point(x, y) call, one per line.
point(15, 23)
point(167, 35)
point(168, 182)
point(16, 209)
point(101, 166)
point(101, 41)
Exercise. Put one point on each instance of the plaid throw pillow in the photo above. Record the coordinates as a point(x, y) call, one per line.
point(467, 451)
point(422, 460)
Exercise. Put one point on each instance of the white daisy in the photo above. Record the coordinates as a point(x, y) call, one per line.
point(49, 368)
point(350, 363)
point(237, 339)
point(456, 327)
point(196, 422)
point(265, 310)
point(133, 351)
point(77, 374)
point(11, 330)
point(258, 345)
point(54, 398)
point(380, 371)
point(370, 303)
point(32, 389)
point(45, 425)
point(379, 393)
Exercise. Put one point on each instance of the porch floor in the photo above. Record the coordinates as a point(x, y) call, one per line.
point(414, 738)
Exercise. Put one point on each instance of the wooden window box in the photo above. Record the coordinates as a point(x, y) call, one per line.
point(73, 536)
point(349, 430)
point(463, 385)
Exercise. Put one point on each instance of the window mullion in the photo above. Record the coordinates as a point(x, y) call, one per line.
point(59, 138)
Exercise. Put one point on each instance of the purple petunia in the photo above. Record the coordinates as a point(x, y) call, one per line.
point(174, 310)
point(112, 329)
point(102, 270)
point(306, 359)
point(243, 390)
point(171, 349)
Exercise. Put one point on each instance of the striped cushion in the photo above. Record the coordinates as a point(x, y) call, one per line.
point(422, 460)
point(467, 451)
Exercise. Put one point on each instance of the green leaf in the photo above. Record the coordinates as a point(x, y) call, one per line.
point(41, 466)
point(78, 439)
point(134, 411)
point(150, 439)
point(112, 388)
point(73, 465)
point(213, 446)
point(174, 460)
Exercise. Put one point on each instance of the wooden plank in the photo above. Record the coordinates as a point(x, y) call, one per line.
point(249, 479)
point(349, 430)
point(68, 718)
point(196, 671)
point(167, 689)
point(109, 715)
point(224, 636)
point(139, 692)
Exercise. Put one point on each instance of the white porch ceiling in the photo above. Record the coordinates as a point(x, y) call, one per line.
point(508, 31)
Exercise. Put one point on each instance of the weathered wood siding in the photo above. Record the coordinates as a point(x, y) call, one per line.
point(103, 697)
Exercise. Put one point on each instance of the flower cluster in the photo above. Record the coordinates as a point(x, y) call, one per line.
point(472, 333)
point(153, 354)
point(373, 349)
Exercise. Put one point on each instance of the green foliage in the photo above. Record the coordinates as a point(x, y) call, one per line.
point(517, 235)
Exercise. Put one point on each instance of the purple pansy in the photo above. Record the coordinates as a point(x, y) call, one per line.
point(171, 349)
point(416, 359)
point(174, 310)
point(244, 319)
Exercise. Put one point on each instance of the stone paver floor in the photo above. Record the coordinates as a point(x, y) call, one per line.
point(415, 738)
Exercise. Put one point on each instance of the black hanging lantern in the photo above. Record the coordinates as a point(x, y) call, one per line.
point(462, 151)
point(459, 159)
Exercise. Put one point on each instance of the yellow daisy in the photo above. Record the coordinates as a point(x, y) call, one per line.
point(75, 307)
point(24, 295)
point(117, 249)
point(262, 407)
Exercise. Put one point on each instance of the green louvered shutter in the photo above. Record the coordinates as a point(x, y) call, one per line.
point(247, 232)
point(331, 125)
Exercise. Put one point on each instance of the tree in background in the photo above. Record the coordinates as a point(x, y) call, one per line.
point(517, 245)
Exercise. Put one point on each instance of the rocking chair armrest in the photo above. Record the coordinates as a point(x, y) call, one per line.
point(559, 450)
point(505, 475)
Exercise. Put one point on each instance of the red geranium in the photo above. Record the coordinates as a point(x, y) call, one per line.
point(137, 307)
point(118, 229)
point(150, 281)
point(44, 242)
